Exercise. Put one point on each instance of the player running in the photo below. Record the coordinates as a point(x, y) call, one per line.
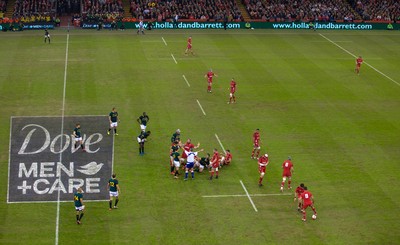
point(307, 201)
point(297, 196)
point(46, 36)
point(189, 46)
point(287, 173)
point(256, 144)
point(262, 166)
point(78, 137)
point(359, 61)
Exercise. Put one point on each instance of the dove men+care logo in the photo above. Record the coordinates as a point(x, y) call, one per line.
point(44, 160)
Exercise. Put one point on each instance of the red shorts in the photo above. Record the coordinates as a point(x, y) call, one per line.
point(306, 205)
point(287, 174)
point(233, 91)
point(261, 169)
point(215, 165)
point(189, 46)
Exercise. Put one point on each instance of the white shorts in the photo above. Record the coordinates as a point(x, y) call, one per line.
point(80, 208)
point(177, 164)
point(139, 140)
point(113, 124)
point(142, 127)
point(48, 36)
point(113, 193)
point(78, 139)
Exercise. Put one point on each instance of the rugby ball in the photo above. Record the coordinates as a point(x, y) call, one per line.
point(314, 217)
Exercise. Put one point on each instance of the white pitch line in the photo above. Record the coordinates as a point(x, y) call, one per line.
point(187, 82)
point(198, 102)
point(345, 50)
point(173, 57)
point(164, 41)
point(252, 195)
point(61, 140)
point(220, 143)
point(247, 193)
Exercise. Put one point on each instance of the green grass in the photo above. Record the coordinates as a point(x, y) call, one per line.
point(342, 131)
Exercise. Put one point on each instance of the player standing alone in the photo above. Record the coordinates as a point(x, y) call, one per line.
point(46, 36)
point(262, 166)
point(114, 191)
point(359, 61)
point(256, 144)
point(79, 207)
point(307, 201)
point(78, 137)
point(113, 120)
point(209, 75)
point(141, 27)
point(189, 46)
point(232, 90)
point(287, 173)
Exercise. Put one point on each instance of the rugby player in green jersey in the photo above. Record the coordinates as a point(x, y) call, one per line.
point(79, 207)
point(113, 120)
point(175, 160)
point(78, 136)
point(114, 191)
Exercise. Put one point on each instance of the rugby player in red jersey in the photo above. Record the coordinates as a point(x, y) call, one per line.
point(209, 75)
point(359, 61)
point(287, 173)
point(256, 144)
point(262, 166)
point(226, 160)
point(307, 201)
point(214, 164)
point(297, 196)
point(189, 46)
point(187, 146)
point(232, 90)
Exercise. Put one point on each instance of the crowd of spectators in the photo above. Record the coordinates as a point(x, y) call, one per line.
point(3, 6)
point(208, 10)
point(216, 10)
point(377, 10)
point(300, 10)
point(102, 10)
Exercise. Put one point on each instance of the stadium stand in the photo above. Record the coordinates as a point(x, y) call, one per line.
point(206, 10)
point(377, 10)
point(301, 10)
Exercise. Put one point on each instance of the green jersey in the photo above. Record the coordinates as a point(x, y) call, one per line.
point(175, 155)
point(113, 183)
point(114, 116)
point(176, 137)
point(77, 132)
point(78, 199)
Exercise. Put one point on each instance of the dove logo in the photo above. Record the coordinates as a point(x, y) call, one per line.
point(44, 165)
point(90, 168)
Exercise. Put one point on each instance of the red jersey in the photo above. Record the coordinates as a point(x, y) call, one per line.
point(189, 43)
point(215, 160)
point(233, 86)
point(307, 197)
point(359, 61)
point(256, 138)
point(228, 157)
point(187, 147)
point(299, 191)
point(262, 163)
point(210, 76)
point(287, 168)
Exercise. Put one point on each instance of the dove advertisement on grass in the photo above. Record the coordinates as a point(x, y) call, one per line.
point(45, 159)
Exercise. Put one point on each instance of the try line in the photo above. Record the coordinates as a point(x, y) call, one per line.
point(61, 139)
point(345, 50)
